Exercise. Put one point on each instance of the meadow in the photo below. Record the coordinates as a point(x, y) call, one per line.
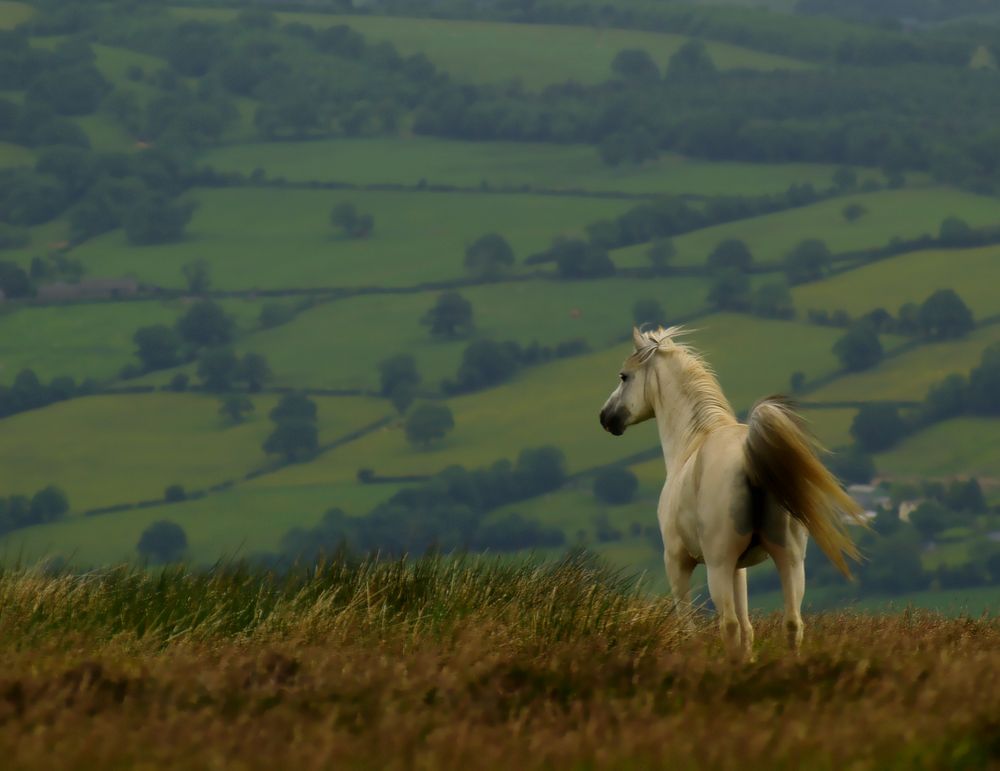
point(410, 160)
point(957, 446)
point(534, 55)
point(903, 213)
point(477, 664)
point(13, 13)
point(258, 238)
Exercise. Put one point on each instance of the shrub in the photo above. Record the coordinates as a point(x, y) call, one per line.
point(162, 541)
point(615, 485)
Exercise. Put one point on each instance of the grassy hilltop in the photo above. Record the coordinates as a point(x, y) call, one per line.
point(199, 152)
point(468, 664)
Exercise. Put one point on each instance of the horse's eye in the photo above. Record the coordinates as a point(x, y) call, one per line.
point(623, 376)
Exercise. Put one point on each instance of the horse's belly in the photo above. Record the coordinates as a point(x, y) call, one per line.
point(753, 555)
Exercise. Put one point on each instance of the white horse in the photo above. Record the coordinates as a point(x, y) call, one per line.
point(735, 493)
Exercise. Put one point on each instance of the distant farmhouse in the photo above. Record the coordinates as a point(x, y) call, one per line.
point(88, 289)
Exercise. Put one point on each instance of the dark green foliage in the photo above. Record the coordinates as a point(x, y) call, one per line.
point(14, 282)
point(275, 314)
point(206, 324)
point(295, 406)
point(427, 423)
point(70, 91)
point(486, 363)
point(730, 290)
point(955, 231)
point(604, 530)
point(218, 369)
point(514, 533)
point(157, 347)
point(296, 434)
point(943, 316)
point(615, 485)
point(853, 212)
point(179, 382)
point(76, 168)
point(253, 370)
point(163, 541)
point(851, 465)
point(451, 316)
point(731, 254)
point(809, 261)
point(234, 408)
point(47, 505)
point(174, 494)
point(691, 62)
point(893, 564)
point(13, 236)
point(859, 349)
point(946, 399)
point(844, 179)
point(27, 392)
point(635, 65)
point(575, 258)
point(878, 427)
point(984, 383)
point(157, 220)
point(399, 371)
point(351, 222)
point(648, 312)
point(632, 145)
point(661, 252)
point(772, 301)
point(29, 198)
point(930, 518)
point(489, 256)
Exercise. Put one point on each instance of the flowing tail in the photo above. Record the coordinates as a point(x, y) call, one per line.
point(782, 458)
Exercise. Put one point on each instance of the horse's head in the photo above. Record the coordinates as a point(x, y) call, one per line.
point(629, 403)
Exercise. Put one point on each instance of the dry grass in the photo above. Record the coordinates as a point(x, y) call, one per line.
point(440, 664)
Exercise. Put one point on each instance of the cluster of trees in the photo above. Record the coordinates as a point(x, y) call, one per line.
point(429, 422)
point(449, 512)
point(486, 363)
point(163, 541)
point(28, 392)
point(729, 265)
point(296, 432)
point(450, 316)
point(350, 222)
point(47, 505)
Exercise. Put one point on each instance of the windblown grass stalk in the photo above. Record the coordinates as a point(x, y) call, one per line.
point(478, 663)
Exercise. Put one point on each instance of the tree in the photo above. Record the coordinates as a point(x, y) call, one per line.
point(615, 485)
point(174, 494)
point(852, 465)
point(691, 61)
point(489, 256)
point(845, 178)
point(635, 65)
point(730, 254)
point(294, 406)
point(352, 223)
point(157, 220)
point(157, 347)
point(984, 383)
point(575, 258)
point(198, 274)
point(427, 423)
point(943, 316)
point(808, 261)
point(946, 399)
point(930, 518)
point(253, 370)
point(217, 369)
point(853, 212)
point(74, 90)
point(539, 470)
point(954, 232)
point(48, 505)
point(293, 440)
point(859, 348)
point(730, 290)
point(451, 316)
point(206, 324)
point(878, 427)
point(14, 282)
point(966, 496)
point(485, 363)
point(649, 312)
point(274, 315)
point(397, 372)
point(772, 301)
point(235, 407)
point(661, 252)
point(162, 541)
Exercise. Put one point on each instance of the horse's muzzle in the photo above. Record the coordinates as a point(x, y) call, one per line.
point(613, 422)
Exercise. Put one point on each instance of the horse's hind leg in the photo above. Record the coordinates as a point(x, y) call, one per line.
point(721, 585)
point(679, 567)
point(743, 611)
point(789, 555)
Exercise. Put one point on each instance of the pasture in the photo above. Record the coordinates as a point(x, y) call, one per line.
point(12, 155)
point(409, 160)
point(283, 239)
point(912, 277)
point(12, 14)
point(105, 450)
point(961, 446)
point(903, 213)
point(472, 664)
point(535, 55)
point(909, 375)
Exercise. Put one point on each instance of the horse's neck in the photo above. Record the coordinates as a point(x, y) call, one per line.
point(676, 408)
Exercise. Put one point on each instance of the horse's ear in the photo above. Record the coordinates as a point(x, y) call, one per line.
point(637, 339)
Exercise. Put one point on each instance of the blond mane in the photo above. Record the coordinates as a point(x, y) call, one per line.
point(698, 383)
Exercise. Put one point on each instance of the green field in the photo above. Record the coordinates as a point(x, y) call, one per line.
point(962, 446)
point(12, 14)
point(831, 426)
point(257, 238)
point(534, 54)
point(15, 155)
point(906, 213)
point(408, 160)
point(888, 284)
point(104, 450)
point(909, 375)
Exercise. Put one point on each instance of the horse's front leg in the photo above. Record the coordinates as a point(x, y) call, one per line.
point(679, 567)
